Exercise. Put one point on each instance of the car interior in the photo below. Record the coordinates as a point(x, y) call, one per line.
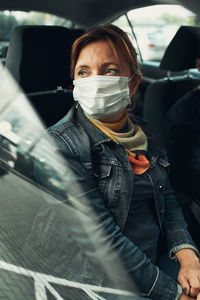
point(180, 55)
point(36, 56)
point(49, 83)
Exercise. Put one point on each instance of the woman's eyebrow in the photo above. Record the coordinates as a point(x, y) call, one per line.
point(82, 66)
point(110, 63)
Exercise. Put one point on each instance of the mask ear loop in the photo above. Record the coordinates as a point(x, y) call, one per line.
point(130, 103)
point(132, 106)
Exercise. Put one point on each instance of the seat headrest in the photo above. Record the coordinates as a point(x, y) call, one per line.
point(183, 50)
point(39, 56)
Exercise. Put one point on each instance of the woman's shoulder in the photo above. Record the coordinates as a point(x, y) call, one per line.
point(70, 138)
point(67, 121)
point(67, 128)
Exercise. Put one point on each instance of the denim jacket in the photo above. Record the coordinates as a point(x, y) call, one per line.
point(101, 167)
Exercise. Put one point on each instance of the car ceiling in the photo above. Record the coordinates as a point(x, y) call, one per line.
point(87, 13)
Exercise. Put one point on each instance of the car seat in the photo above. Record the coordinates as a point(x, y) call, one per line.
point(180, 55)
point(39, 59)
point(160, 95)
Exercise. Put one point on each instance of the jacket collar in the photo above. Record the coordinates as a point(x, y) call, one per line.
point(96, 136)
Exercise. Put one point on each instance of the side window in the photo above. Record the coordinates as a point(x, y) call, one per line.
point(154, 27)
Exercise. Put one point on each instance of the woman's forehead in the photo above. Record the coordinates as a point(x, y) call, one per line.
point(98, 46)
point(104, 49)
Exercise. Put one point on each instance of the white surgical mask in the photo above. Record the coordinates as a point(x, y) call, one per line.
point(102, 96)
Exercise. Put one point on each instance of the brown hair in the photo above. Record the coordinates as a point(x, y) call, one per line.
point(114, 35)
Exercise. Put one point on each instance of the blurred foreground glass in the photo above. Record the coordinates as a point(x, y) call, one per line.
point(39, 223)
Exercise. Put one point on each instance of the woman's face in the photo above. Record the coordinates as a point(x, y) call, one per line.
point(99, 58)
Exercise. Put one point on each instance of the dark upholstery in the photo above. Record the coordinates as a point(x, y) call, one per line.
point(52, 105)
point(39, 56)
point(39, 59)
point(183, 50)
point(161, 94)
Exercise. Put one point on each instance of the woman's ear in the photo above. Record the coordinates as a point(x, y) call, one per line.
point(134, 83)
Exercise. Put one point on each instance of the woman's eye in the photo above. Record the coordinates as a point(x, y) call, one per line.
point(82, 73)
point(111, 71)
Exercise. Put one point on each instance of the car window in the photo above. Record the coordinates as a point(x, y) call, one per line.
point(10, 19)
point(154, 27)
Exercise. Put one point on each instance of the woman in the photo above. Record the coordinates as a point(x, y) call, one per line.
point(122, 170)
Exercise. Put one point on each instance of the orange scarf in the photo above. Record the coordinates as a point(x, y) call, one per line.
point(138, 162)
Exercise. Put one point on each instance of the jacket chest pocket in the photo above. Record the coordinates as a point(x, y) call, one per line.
point(159, 176)
point(163, 166)
point(102, 174)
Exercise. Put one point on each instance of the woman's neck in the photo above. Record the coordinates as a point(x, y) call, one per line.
point(114, 119)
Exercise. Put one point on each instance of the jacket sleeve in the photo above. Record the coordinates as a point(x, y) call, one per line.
point(94, 229)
